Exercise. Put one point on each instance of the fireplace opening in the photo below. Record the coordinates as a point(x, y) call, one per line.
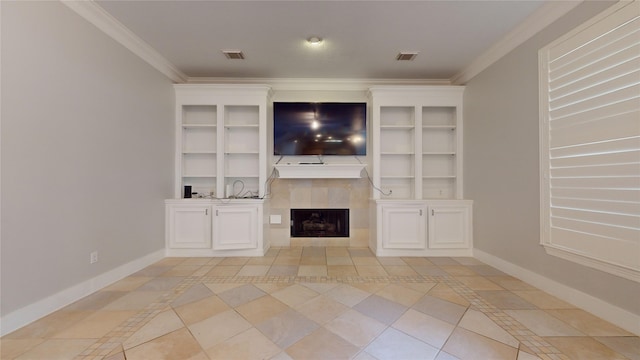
point(319, 222)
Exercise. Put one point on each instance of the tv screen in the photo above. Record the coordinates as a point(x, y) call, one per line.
point(319, 128)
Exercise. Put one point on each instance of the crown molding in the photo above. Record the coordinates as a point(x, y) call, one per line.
point(96, 15)
point(541, 18)
point(314, 84)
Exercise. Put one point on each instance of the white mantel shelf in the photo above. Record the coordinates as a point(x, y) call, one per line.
point(319, 171)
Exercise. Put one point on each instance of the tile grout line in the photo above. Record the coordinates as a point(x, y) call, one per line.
point(116, 337)
point(521, 333)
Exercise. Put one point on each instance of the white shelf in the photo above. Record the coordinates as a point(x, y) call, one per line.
point(221, 137)
point(417, 141)
point(319, 171)
point(193, 126)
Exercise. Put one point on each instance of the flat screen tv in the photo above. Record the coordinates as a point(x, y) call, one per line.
point(327, 128)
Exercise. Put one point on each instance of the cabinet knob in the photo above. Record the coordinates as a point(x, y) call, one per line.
point(432, 212)
point(206, 212)
point(420, 212)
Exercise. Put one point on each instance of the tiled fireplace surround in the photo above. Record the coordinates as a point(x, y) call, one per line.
point(353, 194)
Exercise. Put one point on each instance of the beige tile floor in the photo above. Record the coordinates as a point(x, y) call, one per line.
point(320, 303)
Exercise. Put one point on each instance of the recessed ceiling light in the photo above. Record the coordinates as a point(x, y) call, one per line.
point(406, 56)
point(233, 54)
point(314, 41)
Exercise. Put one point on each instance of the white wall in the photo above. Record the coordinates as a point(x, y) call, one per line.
point(501, 168)
point(87, 153)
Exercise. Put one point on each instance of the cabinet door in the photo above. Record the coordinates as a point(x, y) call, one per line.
point(449, 227)
point(235, 227)
point(189, 227)
point(403, 226)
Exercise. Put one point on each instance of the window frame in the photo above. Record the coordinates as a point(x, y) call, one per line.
point(561, 250)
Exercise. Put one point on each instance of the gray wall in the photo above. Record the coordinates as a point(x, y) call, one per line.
point(87, 152)
point(502, 172)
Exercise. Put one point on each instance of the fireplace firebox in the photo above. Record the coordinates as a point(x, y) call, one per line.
point(319, 222)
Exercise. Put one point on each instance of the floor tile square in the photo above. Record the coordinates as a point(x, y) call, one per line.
point(341, 270)
point(543, 324)
point(295, 295)
point(381, 309)
point(57, 349)
point(584, 348)
point(283, 270)
point(161, 283)
point(339, 260)
point(96, 325)
point(253, 270)
point(430, 330)
point(440, 309)
point(241, 295)
point(469, 345)
point(322, 309)
point(628, 346)
point(322, 344)
point(587, 323)
point(503, 299)
point(400, 294)
point(393, 345)
point(162, 324)
point(176, 345)
point(287, 328)
point(218, 328)
point(312, 270)
point(197, 311)
point(194, 293)
point(225, 270)
point(371, 270)
point(261, 309)
point(347, 294)
point(356, 328)
point(315, 260)
point(250, 344)
point(400, 270)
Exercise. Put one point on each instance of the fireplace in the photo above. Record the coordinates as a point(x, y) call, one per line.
point(319, 222)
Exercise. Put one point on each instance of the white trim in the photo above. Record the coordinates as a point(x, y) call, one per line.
point(584, 256)
point(32, 312)
point(96, 15)
point(314, 84)
point(541, 18)
point(615, 315)
point(568, 254)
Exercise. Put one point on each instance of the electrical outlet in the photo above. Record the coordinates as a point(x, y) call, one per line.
point(93, 257)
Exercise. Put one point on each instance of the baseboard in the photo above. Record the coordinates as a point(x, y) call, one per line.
point(39, 309)
point(611, 313)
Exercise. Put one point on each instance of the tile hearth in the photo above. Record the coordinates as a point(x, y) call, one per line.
point(320, 303)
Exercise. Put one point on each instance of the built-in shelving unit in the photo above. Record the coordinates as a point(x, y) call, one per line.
point(418, 207)
point(221, 134)
point(221, 152)
point(198, 157)
point(417, 142)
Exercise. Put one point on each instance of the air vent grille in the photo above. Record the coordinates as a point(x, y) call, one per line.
point(406, 56)
point(233, 54)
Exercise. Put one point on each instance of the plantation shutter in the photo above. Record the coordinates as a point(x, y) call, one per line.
point(590, 142)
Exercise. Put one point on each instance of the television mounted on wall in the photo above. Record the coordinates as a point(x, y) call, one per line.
point(319, 128)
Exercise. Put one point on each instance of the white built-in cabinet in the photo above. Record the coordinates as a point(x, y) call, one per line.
point(189, 226)
point(210, 227)
point(236, 226)
point(417, 172)
point(221, 152)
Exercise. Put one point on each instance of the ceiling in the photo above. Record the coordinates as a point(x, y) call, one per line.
point(361, 38)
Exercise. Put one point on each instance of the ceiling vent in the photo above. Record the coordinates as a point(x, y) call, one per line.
point(233, 54)
point(406, 56)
